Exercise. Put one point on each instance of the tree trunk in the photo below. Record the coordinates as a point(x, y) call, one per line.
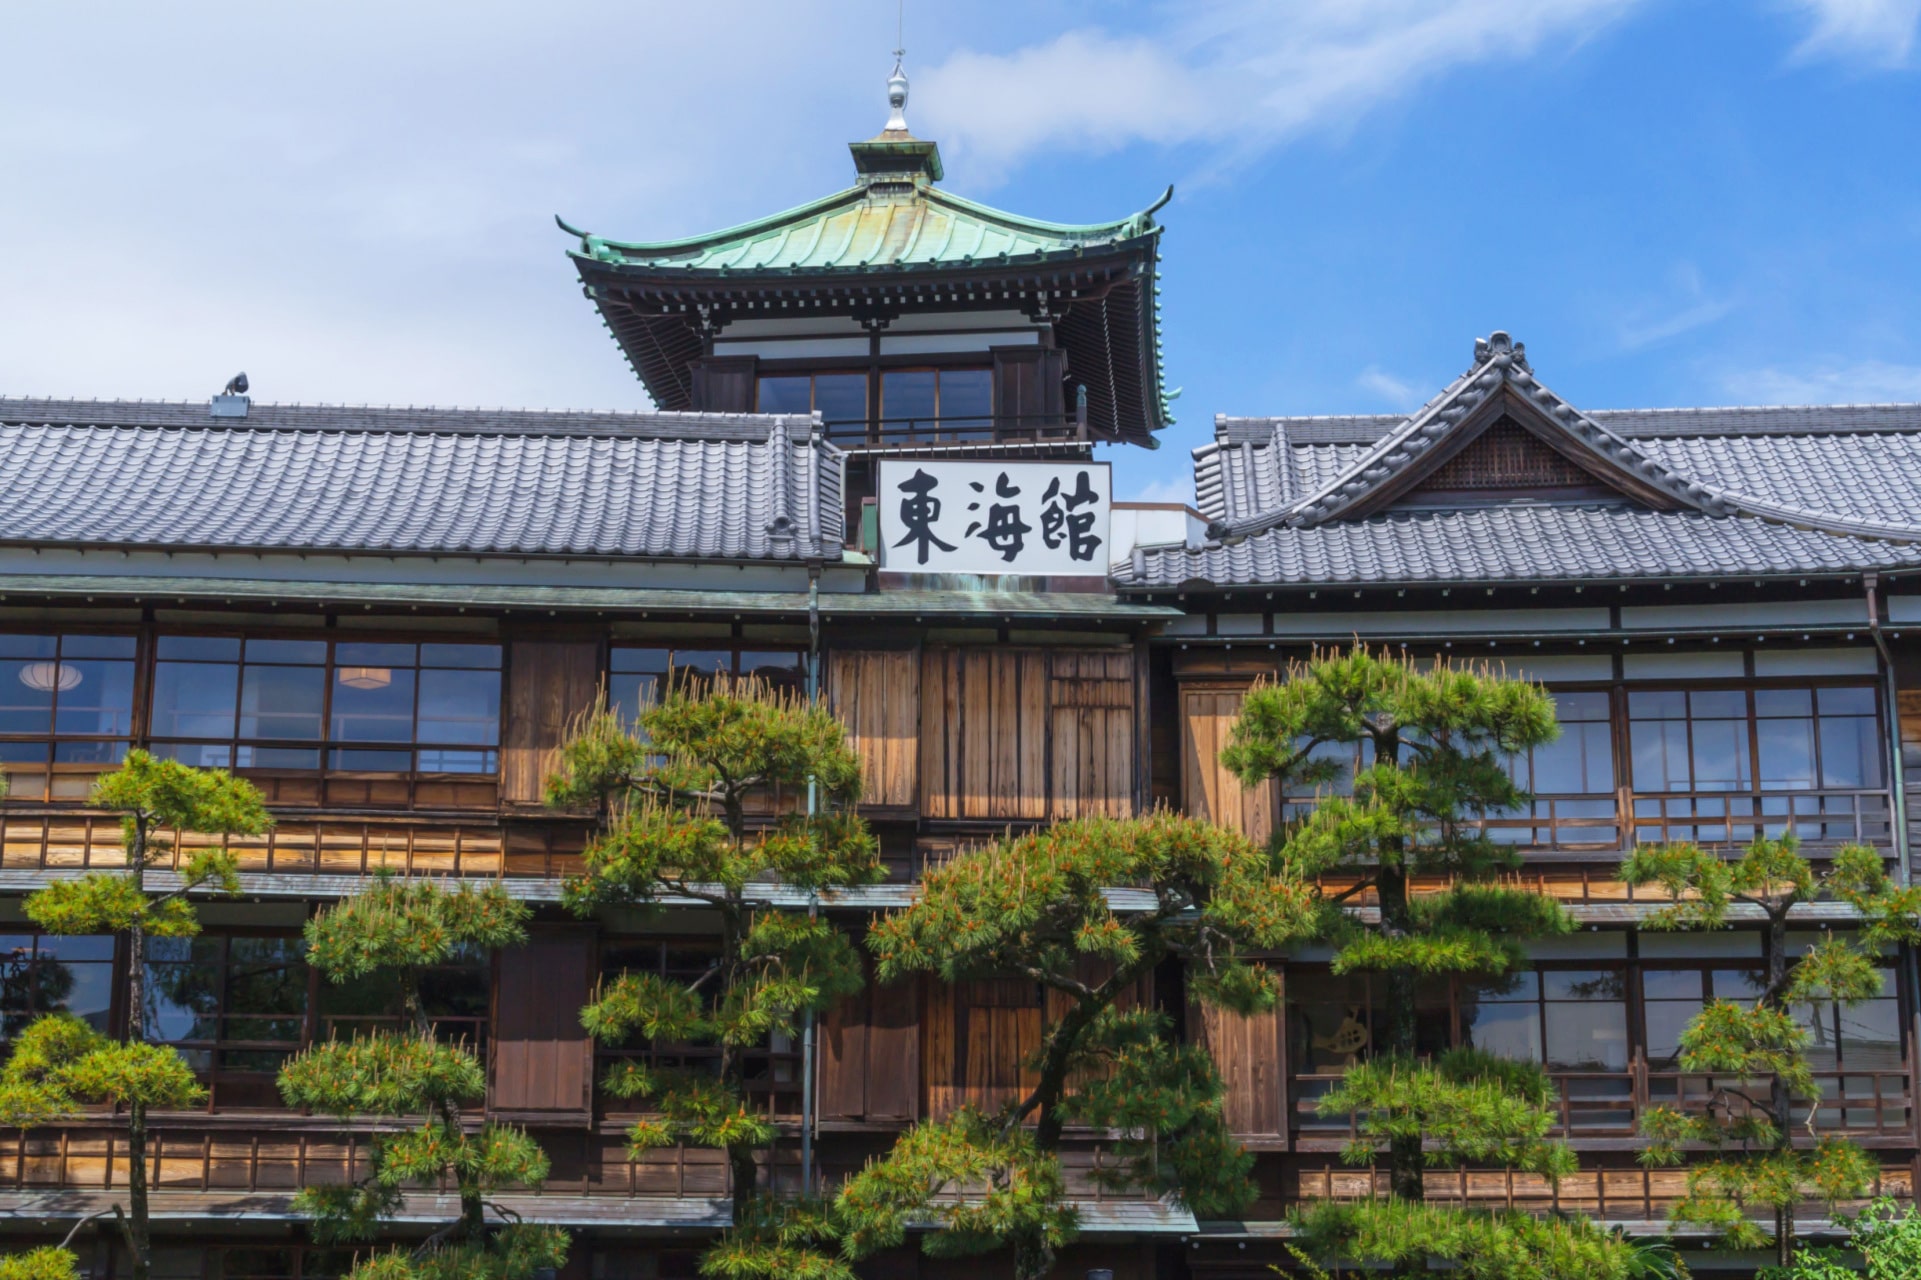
point(1033, 1258)
point(741, 1167)
point(1407, 1165)
point(1779, 1102)
point(139, 1239)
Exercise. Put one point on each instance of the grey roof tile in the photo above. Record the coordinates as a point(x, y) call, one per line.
point(1515, 544)
point(418, 481)
point(1760, 490)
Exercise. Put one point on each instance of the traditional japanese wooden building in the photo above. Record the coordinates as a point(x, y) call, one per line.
point(387, 618)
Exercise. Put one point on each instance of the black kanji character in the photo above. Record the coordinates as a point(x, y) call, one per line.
point(1055, 518)
point(919, 511)
point(1004, 531)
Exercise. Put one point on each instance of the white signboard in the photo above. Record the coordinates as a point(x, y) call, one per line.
point(942, 516)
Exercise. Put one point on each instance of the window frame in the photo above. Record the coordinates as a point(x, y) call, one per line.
point(51, 767)
point(326, 747)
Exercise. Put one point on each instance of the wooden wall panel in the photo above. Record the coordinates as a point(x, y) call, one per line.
point(1247, 1050)
point(893, 1051)
point(1027, 734)
point(877, 694)
point(870, 1056)
point(842, 1046)
point(1091, 733)
point(542, 1057)
point(1208, 790)
point(549, 684)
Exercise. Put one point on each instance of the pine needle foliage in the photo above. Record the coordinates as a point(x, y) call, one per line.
point(685, 795)
point(1756, 1054)
point(1390, 769)
point(61, 1064)
point(1036, 906)
point(47, 1263)
point(401, 927)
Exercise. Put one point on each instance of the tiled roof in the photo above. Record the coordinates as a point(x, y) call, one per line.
point(1516, 544)
point(417, 481)
point(1723, 491)
point(873, 228)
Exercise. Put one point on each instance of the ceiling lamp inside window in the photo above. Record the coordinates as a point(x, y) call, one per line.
point(48, 676)
point(366, 677)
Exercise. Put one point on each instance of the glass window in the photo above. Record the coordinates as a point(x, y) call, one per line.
point(839, 398)
point(453, 995)
point(1581, 760)
point(45, 973)
point(792, 394)
point(66, 711)
point(1569, 1020)
point(908, 398)
point(380, 706)
point(635, 672)
point(228, 1003)
point(967, 397)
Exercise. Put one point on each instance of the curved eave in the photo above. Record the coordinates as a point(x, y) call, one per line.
point(1085, 237)
point(1144, 245)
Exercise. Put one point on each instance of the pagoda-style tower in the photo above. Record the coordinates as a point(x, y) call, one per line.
point(900, 313)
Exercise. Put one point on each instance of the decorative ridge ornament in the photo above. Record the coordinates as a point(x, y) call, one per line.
point(1498, 344)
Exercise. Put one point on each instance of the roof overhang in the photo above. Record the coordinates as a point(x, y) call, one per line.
point(1101, 303)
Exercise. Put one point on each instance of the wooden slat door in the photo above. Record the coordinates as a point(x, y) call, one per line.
point(542, 1057)
point(983, 733)
point(549, 685)
point(1091, 733)
point(876, 693)
point(1208, 790)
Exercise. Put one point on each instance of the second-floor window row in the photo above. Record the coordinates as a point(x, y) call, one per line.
point(1640, 765)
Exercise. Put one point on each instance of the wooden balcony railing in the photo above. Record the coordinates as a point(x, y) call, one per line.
point(1610, 1104)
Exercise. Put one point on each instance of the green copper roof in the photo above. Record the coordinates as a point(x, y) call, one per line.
point(871, 227)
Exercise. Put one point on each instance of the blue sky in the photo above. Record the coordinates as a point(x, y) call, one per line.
point(1671, 201)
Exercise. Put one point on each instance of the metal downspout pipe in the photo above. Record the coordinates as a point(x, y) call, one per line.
point(1910, 966)
point(1905, 873)
point(813, 902)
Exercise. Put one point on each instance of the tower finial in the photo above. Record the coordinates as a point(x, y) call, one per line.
point(897, 96)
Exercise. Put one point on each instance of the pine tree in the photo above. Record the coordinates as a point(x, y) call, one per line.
point(1431, 748)
point(59, 1062)
point(1035, 906)
point(676, 789)
point(1756, 1163)
point(399, 928)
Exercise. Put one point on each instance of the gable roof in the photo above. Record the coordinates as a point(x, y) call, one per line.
point(311, 478)
point(1688, 492)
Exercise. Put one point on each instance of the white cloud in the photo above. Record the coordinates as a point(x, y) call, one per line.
point(1877, 32)
point(1395, 392)
point(1237, 75)
point(1688, 306)
point(1831, 382)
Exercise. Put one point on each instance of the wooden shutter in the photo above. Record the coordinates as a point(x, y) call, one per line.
point(543, 1058)
point(1091, 733)
point(983, 733)
point(1027, 388)
point(978, 1033)
point(870, 1055)
point(876, 693)
point(1208, 790)
point(549, 685)
point(724, 384)
point(1249, 1052)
